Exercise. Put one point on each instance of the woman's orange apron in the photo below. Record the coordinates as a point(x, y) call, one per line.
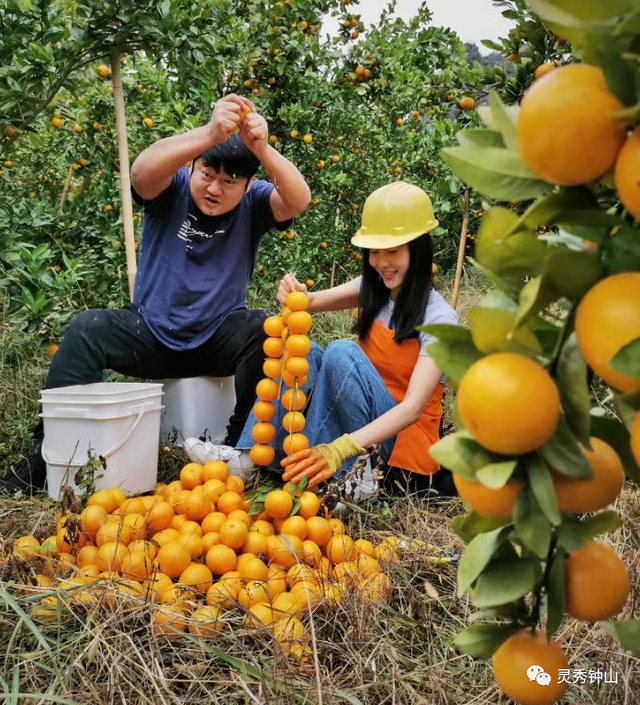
point(395, 364)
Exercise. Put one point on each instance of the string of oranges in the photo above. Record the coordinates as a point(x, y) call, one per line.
point(286, 364)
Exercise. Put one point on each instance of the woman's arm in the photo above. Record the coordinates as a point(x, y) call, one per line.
point(337, 298)
point(426, 376)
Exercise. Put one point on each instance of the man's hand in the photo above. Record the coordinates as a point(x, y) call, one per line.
point(289, 283)
point(254, 133)
point(320, 462)
point(227, 117)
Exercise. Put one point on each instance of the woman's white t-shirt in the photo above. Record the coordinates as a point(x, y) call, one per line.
point(438, 312)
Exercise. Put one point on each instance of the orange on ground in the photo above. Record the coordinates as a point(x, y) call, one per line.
point(263, 527)
point(220, 559)
point(568, 130)
point(509, 403)
point(311, 553)
point(337, 527)
point(160, 517)
point(208, 540)
point(319, 530)
point(596, 583)
point(87, 555)
point(364, 547)
point(253, 592)
point(488, 502)
point(233, 533)
point(467, 103)
point(165, 536)
point(204, 622)
point(223, 593)
point(172, 488)
point(278, 504)
point(607, 318)
point(111, 555)
point(168, 621)
point(92, 518)
point(253, 568)
point(198, 576)
point(309, 504)
point(111, 532)
point(173, 558)
point(197, 506)
point(137, 525)
point(191, 475)
point(214, 489)
point(215, 470)
point(513, 658)
point(213, 522)
point(193, 543)
point(229, 501)
point(132, 505)
point(295, 526)
point(340, 548)
point(105, 499)
point(283, 550)
point(235, 484)
point(581, 495)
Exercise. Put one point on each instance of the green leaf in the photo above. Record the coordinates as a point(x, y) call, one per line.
point(453, 357)
point(604, 50)
point(562, 453)
point(572, 274)
point(481, 640)
point(505, 580)
point(477, 556)
point(507, 121)
point(506, 252)
point(498, 174)
point(627, 406)
point(627, 634)
point(627, 359)
point(575, 532)
point(480, 138)
point(617, 436)
point(555, 593)
point(574, 389)
point(494, 330)
point(468, 526)
point(546, 209)
point(541, 484)
point(623, 251)
point(535, 296)
point(531, 525)
point(461, 454)
point(496, 475)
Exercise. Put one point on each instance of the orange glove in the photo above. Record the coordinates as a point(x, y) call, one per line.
point(320, 462)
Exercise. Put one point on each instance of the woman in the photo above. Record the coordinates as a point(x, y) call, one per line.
point(384, 388)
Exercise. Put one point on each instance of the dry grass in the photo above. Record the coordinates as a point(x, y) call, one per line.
point(363, 652)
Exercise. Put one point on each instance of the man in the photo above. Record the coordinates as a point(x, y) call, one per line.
point(200, 236)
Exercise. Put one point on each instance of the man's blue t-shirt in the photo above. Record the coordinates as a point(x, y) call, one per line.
point(194, 269)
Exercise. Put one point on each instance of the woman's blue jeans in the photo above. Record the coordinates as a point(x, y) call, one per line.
point(347, 394)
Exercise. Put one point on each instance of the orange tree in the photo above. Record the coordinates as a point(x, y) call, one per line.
point(534, 454)
point(353, 112)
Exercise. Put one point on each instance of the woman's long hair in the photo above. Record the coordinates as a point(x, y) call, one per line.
point(412, 298)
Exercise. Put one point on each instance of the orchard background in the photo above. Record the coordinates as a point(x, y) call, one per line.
point(353, 112)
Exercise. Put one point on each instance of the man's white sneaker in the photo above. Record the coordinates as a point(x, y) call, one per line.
point(238, 461)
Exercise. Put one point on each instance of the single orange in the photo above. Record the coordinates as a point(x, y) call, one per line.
point(309, 504)
point(173, 558)
point(262, 454)
point(213, 522)
point(278, 504)
point(298, 345)
point(233, 533)
point(273, 326)
point(229, 501)
point(263, 432)
point(267, 389)
point(319, 530)
point(215, 470)
point(294, 400)
point(296, 301)
point(272, 368)
point(273, 347)
point(295, 526)
point(294, 443)
point(626, 174)
point(220, 559)
point(198, 576)
point(299, 322)
point(191, 475)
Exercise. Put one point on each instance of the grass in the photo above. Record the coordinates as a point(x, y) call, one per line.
point(363, 652)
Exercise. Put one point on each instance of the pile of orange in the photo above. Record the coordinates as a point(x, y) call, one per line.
point(286, 349)
point(194, 552)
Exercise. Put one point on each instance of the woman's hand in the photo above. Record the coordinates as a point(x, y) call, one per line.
point(289, 283)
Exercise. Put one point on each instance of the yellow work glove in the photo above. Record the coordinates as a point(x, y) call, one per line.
point(319, 463)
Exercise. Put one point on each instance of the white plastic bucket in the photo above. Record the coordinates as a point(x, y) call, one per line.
point(197, 406)
point(119, 421)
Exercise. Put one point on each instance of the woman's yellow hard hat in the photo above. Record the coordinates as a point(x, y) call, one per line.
point(394, 215)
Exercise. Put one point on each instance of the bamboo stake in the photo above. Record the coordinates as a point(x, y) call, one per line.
point(463, 242)
point(123, 154)
point(65, 190)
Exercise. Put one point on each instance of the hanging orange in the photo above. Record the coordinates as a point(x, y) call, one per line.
point(273, 347)
point(293, 422)
point(262, 454)
point(273, 326)
point(267, 389)
point(299, 322)
point(297, 301)
point(264, 410)
point(298, 345)
point(294, 400)
point(272, 368)
point(263, 433)
point(294, 443)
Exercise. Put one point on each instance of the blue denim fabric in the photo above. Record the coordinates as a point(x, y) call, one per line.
point(348, 393)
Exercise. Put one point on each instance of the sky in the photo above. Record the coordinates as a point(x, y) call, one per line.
point(472, 20)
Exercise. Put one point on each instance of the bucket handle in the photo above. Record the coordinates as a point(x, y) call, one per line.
point(109, 453)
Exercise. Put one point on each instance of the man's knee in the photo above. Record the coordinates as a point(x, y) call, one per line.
point(254, 324)
point(94, 323)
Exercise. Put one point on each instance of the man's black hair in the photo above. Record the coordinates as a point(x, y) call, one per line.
point(232, 157)
point(412, 298)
